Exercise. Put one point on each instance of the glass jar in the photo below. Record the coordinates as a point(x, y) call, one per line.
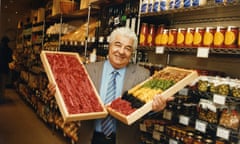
point(198, 140)
point(231, 34)
point(143, 34)
point(164, 38)
point(188, 41)
point(189, 138)
point(159, 35)
point(208, 36)
point(218, 39)
point(151, 35)
point(172, 37)
point(181, 36)
point(198, 36)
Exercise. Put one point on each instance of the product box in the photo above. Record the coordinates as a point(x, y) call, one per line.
point(75, 94)
point(137, 101)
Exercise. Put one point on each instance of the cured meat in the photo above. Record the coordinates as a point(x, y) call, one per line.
point(73, 83)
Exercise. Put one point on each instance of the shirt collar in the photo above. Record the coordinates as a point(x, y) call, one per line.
point(110, 69)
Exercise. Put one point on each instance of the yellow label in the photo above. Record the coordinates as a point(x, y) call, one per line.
point(197, 38)
point(164, 39)
point(149, 39)
point(171, 38)
point(189, 38)
point(158, 39)
point(180, 38)
point(229, 38)
point(208, 38)
point(142, 38)
point(218, 39)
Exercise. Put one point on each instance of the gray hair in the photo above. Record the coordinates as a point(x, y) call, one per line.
point(124, 31)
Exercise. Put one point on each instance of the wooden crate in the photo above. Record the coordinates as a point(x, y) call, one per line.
point(147, 107)
point(63, 104)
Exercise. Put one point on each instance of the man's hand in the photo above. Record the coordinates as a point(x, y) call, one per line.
point(160, 102)
point(51, 88)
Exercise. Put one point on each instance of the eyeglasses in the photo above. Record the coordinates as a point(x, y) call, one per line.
point(119, 45)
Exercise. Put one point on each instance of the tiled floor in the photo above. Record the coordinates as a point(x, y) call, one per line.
point(20, 125)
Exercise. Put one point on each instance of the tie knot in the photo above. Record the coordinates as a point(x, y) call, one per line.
point(114, 73)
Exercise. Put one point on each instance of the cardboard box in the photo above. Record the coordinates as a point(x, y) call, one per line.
point(147, 107)
point(84, 3)
point(75, 94)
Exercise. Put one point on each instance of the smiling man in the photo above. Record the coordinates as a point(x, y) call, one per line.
point(122, 43)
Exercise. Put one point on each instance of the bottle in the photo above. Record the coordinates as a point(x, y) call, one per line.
point(172, 34)
point(151, 35)
point(150, 6)
point(143, 34)
point(144, 6)
point(159, 35)
point(218, 39)
point(189, 37)
point(156, 6)
point(208, 37)
point(134, 13)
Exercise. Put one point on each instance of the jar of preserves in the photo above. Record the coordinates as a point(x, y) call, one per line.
point(189, 37)
point(181, 36)
point(143, 34)
point(189, 138)
point(208, 141)
point(164, 38)
point(198, 140)
point(151, 35)
point(208, 36)
point(218, 39)
point(159, 35)
point(198, 36)
point(231, 34)
point(172, 37)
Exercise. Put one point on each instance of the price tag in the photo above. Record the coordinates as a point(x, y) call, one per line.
point(200, 126)
point(159, 50)
point(219, 99)
point(223, 133)
point(101, 38)
point(202, 52)
point(156, 135)
point(184, 120)
point(143, 127)
point(167, 114)
point(183, 91)
point(172, 141)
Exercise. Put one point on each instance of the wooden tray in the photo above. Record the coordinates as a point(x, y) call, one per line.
point(140, 112)
point(64, 107)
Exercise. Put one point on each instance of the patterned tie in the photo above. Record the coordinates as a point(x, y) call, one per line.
point(107, 123)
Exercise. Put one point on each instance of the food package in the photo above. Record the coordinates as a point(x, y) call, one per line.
point(80, 33)
point(137, 101)
point(75, 94)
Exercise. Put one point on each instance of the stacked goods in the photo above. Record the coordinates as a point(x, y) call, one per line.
point(212, 37)
point(80, 33)
point(75, 94)
point(137, 101)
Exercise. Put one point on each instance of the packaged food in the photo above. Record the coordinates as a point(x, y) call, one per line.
point(208, 37)
point(143, 34)
point(230, 40)
point(218, 39)
point(198, 36)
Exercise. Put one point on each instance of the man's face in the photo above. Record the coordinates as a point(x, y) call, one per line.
point(120, 51)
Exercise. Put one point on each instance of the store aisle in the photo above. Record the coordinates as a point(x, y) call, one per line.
point(20, 125)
